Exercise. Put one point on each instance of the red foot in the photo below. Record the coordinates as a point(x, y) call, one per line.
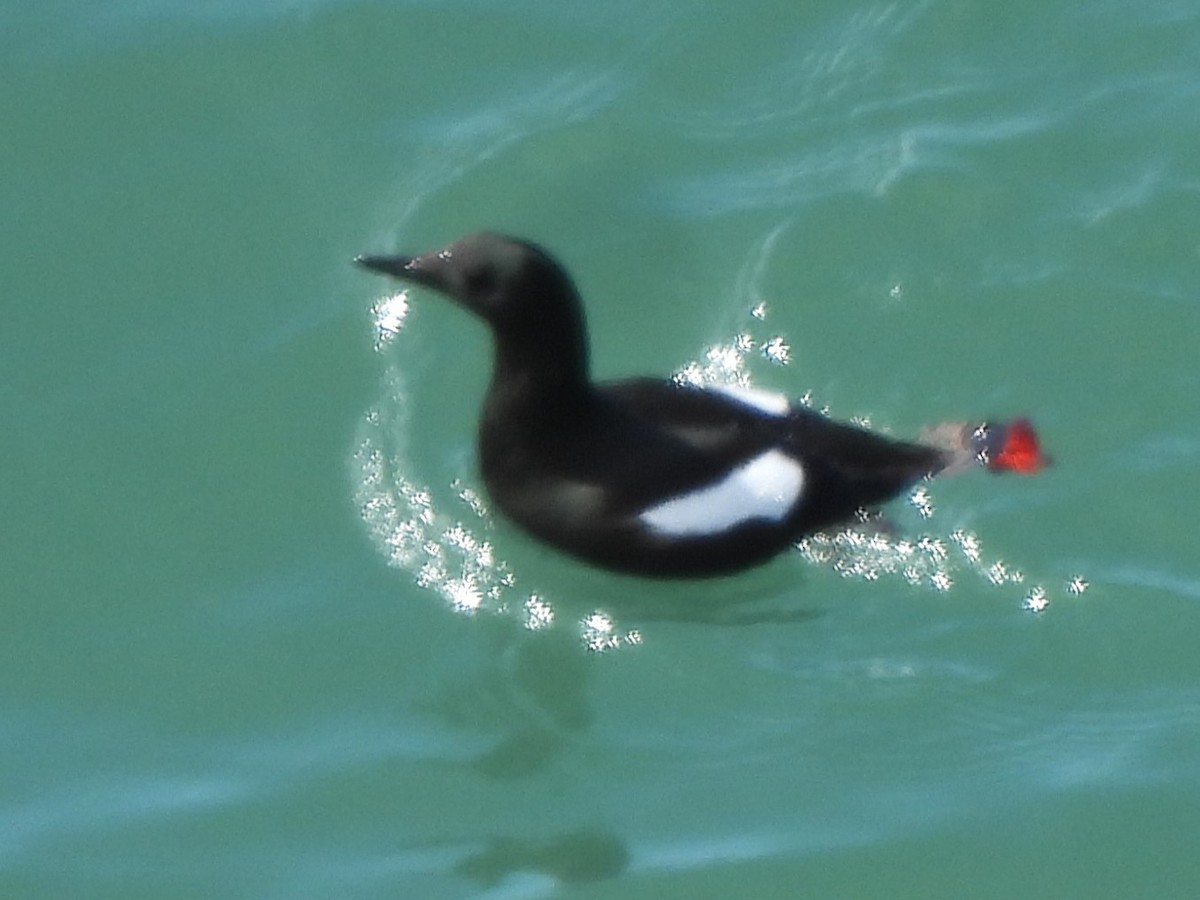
point(1015, 448)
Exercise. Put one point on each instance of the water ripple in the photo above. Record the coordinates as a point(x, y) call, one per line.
point(442, 537)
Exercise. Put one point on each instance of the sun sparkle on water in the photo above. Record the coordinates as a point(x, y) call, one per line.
point(445, 553)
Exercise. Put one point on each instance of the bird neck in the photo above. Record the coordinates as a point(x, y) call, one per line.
point(541, 356)
point(540, 374)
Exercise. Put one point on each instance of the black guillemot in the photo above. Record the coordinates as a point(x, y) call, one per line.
point(652, 476)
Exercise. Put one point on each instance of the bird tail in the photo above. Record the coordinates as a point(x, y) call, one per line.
point(997, 446)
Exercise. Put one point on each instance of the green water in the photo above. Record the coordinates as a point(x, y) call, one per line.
point(262, 636)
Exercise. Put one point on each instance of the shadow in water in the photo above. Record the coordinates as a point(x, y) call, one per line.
point(773, 597)
point(576, 858)
point(533, 691)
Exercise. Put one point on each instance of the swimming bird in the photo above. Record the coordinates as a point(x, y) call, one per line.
point(651, 476)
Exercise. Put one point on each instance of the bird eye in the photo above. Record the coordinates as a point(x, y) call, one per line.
point(481, 280)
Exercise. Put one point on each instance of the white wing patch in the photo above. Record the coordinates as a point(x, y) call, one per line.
point(767, 487)
point(771, 403)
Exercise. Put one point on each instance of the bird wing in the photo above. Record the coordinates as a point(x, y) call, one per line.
point(726, 427)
